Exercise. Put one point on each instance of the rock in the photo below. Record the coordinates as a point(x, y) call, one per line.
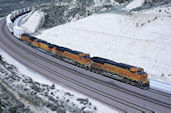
point(51, 98)
point(69, 94)
point(27, 110)
point(83, 101)
point(28, 80)
point(5, 111)
point(13, 109)
point(52, 87)
point(51, 106)
point(36, 88)
point(61, 110)
point(83, 108)
point(33, 93)
point(0, 58)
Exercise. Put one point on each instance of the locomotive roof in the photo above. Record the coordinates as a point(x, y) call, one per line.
point(42, 41)
point(68, 50)
point(49, 44)
point(29, 36)
point(61, 48)
point(32, 38)
point(26, 34)
point(52, 45)
point(103, 60)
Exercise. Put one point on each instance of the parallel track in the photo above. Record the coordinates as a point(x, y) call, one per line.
point(137, 107)
point(160, 93)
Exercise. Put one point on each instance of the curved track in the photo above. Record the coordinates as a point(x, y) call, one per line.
point(111, 92)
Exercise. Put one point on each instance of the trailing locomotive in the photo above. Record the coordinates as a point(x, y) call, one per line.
point(74, 57)
point(126, 73)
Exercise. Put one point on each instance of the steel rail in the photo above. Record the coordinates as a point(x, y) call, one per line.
point(160, 93)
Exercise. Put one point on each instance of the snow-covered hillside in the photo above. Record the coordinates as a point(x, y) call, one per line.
point(142, 39)
point(34, 22)
point(25, 91)
point(135, 4)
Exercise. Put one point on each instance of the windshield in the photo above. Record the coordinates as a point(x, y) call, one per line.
point(140, 72)
point(85, 57)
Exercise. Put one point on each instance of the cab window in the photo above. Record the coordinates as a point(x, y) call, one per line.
point(140, 72)
point(85, 57)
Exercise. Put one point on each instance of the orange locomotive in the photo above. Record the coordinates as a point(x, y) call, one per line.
point(123, 72)
point(26, 37)
point(30, 39)
point(68, 55)
point(126, 73)
point(73, 57)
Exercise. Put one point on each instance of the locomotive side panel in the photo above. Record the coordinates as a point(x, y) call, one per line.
point(35, 43)
point(44, 46)
point(25, 38)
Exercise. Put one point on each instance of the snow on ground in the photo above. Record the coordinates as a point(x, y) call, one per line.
point(103, 2)
point(140, 39)
point(135, 4)
point(101, 108)
point(17, 21)
point(33, 22)
point(161, 86)
point(164, 10)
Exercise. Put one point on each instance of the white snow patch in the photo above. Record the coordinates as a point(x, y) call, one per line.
point(135, 4)
point(142, 40)
point(162, 86)
point(101, 108)
point(33, 22)
point(164, 10)
point(104, 2)
point(18, 20)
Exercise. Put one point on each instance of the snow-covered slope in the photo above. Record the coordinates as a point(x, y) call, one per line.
point(135, 4)
point(140, 39)
point(33, 22)
point(25, 77)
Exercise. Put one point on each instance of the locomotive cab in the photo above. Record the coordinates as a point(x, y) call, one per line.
point(85, 58)
point(140, 72)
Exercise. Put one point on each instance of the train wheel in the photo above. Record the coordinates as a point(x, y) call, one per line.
point(133, 83)
point(124, 80)
point(86, 68)
point(139, 85)
point(127, 81)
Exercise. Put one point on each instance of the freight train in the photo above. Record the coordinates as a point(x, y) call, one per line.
point(126, 73)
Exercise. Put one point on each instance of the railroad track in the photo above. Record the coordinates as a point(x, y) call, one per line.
point(160, 93)
point(95, 90)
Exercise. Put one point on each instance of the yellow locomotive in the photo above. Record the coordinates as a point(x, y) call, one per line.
point(126, 73)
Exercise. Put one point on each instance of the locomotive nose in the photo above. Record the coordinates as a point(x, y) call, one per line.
point(144, 76)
